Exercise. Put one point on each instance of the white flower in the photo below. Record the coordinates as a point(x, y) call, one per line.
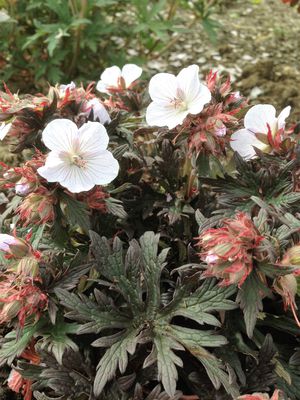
point(114, 78)
point(78, 159)
point(4, 129)
point(174, 97)
point(99, 111)
point(63, 88)
point(258, 120)
point(6, 241)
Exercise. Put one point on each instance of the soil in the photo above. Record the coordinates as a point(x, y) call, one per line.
point(258, 45)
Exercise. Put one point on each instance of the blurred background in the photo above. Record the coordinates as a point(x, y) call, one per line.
point(257, 42)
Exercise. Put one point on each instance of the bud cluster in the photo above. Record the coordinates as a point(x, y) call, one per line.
point(229, 251)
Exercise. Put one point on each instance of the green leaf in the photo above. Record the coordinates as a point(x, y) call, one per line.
point(218, 376)
point(115, 356)
point(13, 346)
point(114, 266)
point(42, 396)
point(196, 337)
point(97, 318)
point(75, 212)
point(70, 277)
point(293, 369)
point(167, 361)
point(37, 234)
point(115, 207)
point(198, 305)
point(178, 338)
point(281, 323)
point(11, 207)
point(153, 263)
point(250, 299)
point(55, 338)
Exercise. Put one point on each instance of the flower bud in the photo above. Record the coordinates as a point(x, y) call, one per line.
point(37, 208)
point(225, 88)
point(261, 396)
point(9, 311)
point(211, 80)
point(292, 256)
point(14, 246)
point(28, 266)
point(11, 176)
point(286, 286)
point(228, 251)
point(23, 187)
point(15, 381)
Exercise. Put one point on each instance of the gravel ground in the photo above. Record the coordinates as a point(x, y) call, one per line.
point(258, 45)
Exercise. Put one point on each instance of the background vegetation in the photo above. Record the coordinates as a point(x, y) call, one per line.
point(62, 40)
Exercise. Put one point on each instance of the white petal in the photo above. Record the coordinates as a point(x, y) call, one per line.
point(103, 168)
point(4, 129)
point(54, 172)
point(110, 77)
point(203, 97)
point(160, 115)
point(188, 81)
point(283, 116)
point(243, 141)
point(259, 116)
point(99, 111)
point(102, 87)
point(93, 138)
point(70, 86)
point(5, 241)
point(60, 135)
point(163, 88)
point(77, 180)
point(130, 73)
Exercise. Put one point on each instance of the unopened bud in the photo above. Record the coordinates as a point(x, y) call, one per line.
point(292, 256)
point(14, 246)
point(23, 187)
point(28, 266)
point(11, 176)
point(9, 311)
point(37, 208)
point(225, 88)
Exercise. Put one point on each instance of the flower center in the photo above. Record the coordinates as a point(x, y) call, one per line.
point(179, 102)
point(78, 161)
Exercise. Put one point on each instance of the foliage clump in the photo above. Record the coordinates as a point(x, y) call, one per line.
point(146, 262)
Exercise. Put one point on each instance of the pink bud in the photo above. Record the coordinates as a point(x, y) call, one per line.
point(225, 88)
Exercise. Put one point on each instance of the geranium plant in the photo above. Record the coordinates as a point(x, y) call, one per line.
point(149, 242)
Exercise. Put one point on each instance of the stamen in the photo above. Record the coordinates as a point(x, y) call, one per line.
point(78, 160)
point(179, 102)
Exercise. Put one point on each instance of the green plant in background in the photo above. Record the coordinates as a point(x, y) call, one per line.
point(60, 40)
point(203, 11)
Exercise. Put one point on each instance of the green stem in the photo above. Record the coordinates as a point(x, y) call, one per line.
point(81, 14)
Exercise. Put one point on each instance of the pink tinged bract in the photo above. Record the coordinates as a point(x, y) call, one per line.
point(258, 120)
point(79, 158)
point(174, 97)
point(110, 77)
